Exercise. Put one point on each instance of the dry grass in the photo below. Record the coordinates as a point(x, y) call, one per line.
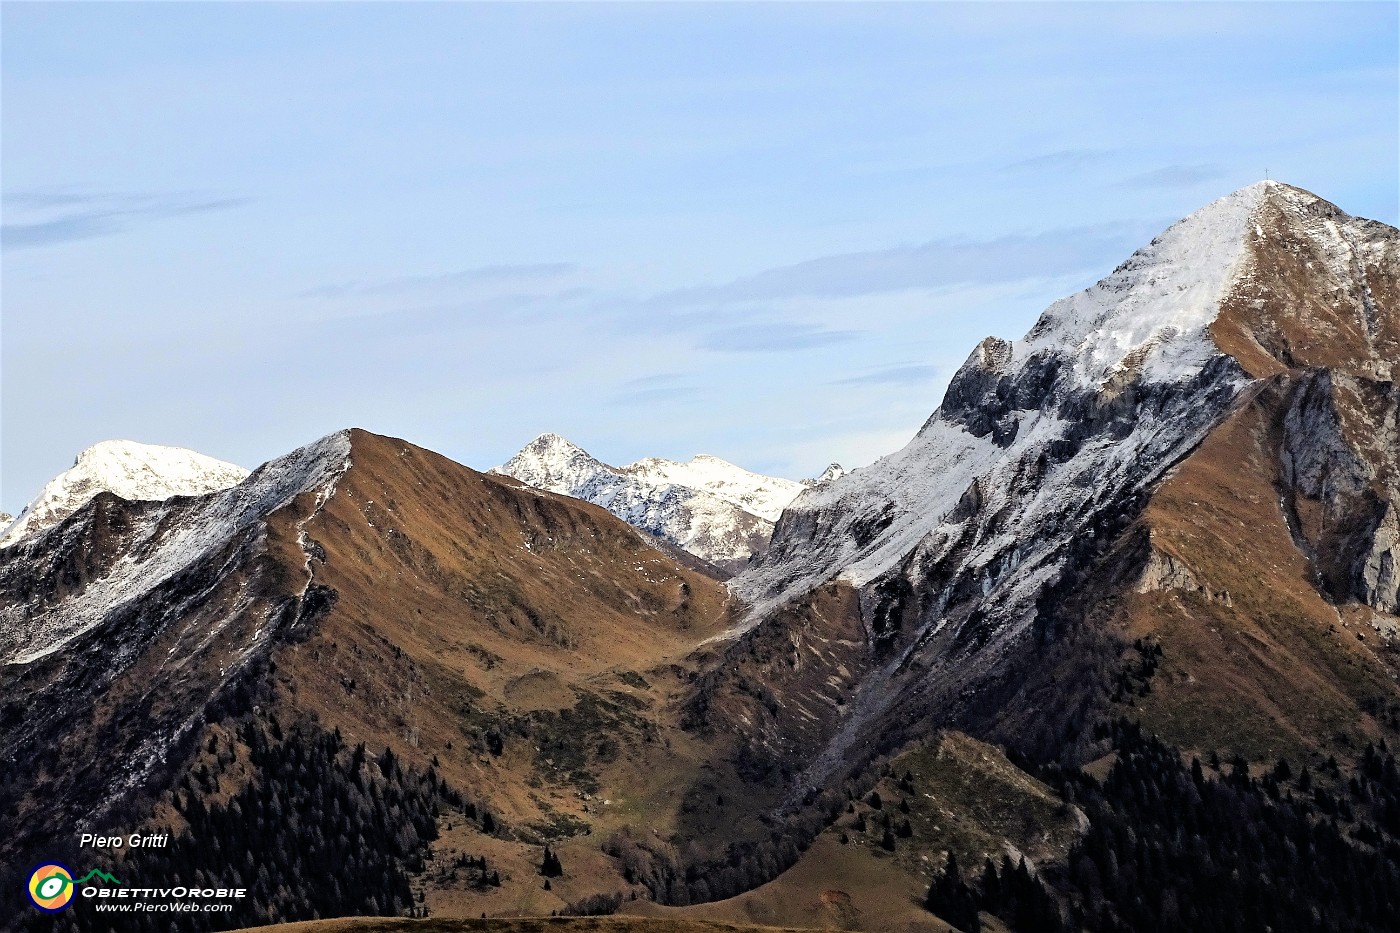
point(471, 606)
point(831, 887)
point(967, 798)
point(1271, 670)
point(616, 924)
point(1290, 315)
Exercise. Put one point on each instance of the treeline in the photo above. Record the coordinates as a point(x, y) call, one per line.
point(1011, 892)
point(1172, 848)
point(323, 830)
point(687, 875)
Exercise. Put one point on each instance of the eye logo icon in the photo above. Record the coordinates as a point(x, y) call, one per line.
point(51, 887)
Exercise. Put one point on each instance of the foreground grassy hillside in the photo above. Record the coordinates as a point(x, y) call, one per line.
point(518, 925)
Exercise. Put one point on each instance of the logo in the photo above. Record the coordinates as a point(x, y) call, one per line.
point(51, 887)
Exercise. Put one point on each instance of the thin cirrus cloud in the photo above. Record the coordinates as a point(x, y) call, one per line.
point(745, 315)
point(661, 387)
point(59, 217)
point(903, 375)
point(1175, 176)
point(936, 264)
point(1063, 160)
point(775, 336)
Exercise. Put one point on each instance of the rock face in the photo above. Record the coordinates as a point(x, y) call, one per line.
point(135, 472)
point(708, 507)
point(1247, 354)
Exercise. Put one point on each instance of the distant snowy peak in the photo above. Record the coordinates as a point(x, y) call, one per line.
point(709, 507)
point(136, 472)
point(764, 496)
point(832, 472)
point(553, 463)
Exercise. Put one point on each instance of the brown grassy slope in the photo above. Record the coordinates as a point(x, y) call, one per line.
point(518, 925)
point(831, 887)
point(962, 795)
point(1291, 312)
point(473, 612)
point(778, 694)
point(1255, 657)
point(1256, 537)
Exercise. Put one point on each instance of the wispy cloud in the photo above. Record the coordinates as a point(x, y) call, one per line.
point(658, 388)
point(908, 374)
point(936, 264)
point(1175, 176)
point(495, 275)
point(64, 216)
point(774, 337)
point(1063, 160)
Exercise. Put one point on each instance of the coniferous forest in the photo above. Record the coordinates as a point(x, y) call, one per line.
point(329, 830)
point(323, 831)
point(1172, 847)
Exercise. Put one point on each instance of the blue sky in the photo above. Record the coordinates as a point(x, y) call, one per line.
point(765, 232)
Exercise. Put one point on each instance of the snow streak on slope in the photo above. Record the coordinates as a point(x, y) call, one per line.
point(1105, 392)
point(708, 507)
point(163, 541)
point(1150, 315)
point(135, 472)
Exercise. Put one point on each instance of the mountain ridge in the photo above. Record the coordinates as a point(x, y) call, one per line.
point(707, 506)
point(1037, 471)
point(137, 472)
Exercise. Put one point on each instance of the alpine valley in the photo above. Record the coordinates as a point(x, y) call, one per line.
point(1111, 645)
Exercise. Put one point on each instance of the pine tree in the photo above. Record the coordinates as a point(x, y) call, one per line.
point(550, 867)
point(950, 898)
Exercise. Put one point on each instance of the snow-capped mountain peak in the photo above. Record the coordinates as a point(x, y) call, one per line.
point(136, 472)
point(1151, 314)
point(832, 472)
point(717, 511)
point(551, 461)
point(764, 496)
point(1110, 387)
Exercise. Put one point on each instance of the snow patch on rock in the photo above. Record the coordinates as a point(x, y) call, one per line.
point(1151, 313)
